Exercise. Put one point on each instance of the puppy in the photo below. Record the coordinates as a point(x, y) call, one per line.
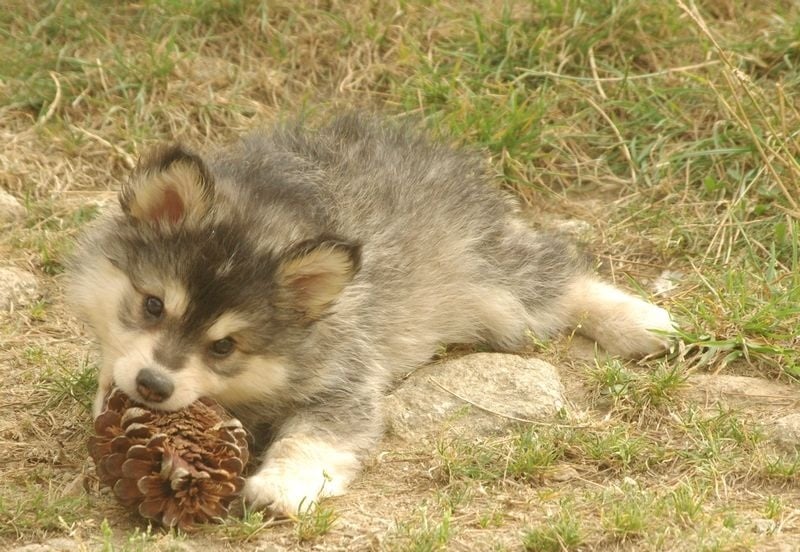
point(294, 275)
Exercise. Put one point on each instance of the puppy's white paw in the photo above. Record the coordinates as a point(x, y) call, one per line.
point(622, 324)
point(297, 472)
point(644, 329)
point(285, 494)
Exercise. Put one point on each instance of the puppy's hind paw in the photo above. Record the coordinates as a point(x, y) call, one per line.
point(650, 331)
point(622, 324)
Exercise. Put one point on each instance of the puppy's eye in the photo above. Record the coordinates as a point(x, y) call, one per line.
point(223, 347)
point(154, 306)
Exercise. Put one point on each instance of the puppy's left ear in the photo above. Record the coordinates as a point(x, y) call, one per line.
point(170, 185)
point(312, 274)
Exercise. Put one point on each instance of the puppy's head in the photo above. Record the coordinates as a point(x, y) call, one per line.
point(189, 299)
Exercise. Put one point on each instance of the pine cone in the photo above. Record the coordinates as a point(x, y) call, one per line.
point(179, 468)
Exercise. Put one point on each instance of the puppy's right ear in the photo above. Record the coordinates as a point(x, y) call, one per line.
point(170, 185)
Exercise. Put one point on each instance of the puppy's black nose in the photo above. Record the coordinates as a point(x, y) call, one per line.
point(153, 386)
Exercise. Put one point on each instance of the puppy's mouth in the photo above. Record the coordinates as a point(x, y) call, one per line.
point(146, 399)
point(150, 396)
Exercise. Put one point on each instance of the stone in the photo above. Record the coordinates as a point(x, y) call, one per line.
point(737, 391)
point(473, 396)
point(786, 431)
point(764, 526)
point(11, 210)
point(52, 545)
point(18, 288)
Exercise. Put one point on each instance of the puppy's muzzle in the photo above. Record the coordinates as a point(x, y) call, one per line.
point(153, 386)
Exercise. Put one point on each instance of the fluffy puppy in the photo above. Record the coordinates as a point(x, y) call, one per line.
point(294, 275)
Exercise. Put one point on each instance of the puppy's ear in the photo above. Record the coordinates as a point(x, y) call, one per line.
point(170, 185)
point(312, 274)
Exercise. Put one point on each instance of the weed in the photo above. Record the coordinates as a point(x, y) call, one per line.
point(773, 509)
point(637, 393)
point(245, 528)
point(455, 496)
point(561, 532)
point(38, 310)
point(687, 502)
point(615, 449)
point(64, 382)
point(531, 452)
point(470, 461)
point(314, 522)
point(494, 518)
point(523, 456)
point(428, 533)
point(137, 540)
point(628, 516)
point(783, 467)
point(35, 511)
point(34, 354)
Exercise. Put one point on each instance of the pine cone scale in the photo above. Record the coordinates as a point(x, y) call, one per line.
point(152, 486)
point(152, 507)
point(134, 468)
point(144, 452)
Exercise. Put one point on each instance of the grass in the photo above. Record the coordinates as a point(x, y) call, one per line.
point(634, 460)
point(243, 529)
point(314, 523)
point(562, 532)
point(426, 532)
point(38, 510)
point(70, 384)
point(637, 392)
point(669, 128)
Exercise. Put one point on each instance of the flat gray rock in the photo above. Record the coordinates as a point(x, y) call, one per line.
point(786, 431)
point(17, 288)
point(738, 391)
point(11, 210)
point(52, 545)
point(473, 396)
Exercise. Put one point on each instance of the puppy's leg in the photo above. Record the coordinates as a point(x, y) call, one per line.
point(309, 460)
point(523, 291)
point(551, 279)
point(620, 323)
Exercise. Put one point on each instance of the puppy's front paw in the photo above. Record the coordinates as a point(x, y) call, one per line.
point(284, 494)
point(297, 472)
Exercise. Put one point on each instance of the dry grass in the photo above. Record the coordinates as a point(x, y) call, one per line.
point(670, 127)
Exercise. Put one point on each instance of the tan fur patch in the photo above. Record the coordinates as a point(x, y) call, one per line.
point(227, 324)
point(97, 294)
point(316, 278)
point(262, 378)
point(170, 195)
point(176, 300)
